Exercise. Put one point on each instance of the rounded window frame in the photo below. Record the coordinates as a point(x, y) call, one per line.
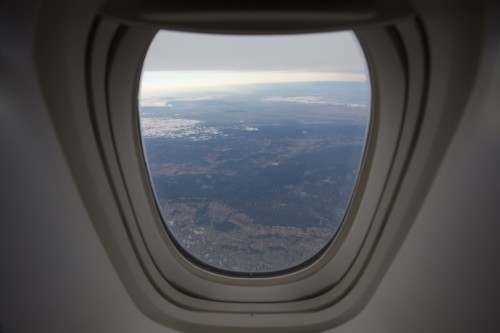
point(265, 274)
point(333, 278)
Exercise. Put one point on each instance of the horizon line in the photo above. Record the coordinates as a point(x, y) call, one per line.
point(227, 80)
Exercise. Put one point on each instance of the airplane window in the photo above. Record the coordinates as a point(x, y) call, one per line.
point(253, 143)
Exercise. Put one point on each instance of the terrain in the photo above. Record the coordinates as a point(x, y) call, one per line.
point(257, 179)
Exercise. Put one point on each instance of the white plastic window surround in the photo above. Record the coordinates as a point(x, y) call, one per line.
point(178, 47)
point(169, 287)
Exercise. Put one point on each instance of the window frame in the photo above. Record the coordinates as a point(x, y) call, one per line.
point(285, 271)
point(322, 294)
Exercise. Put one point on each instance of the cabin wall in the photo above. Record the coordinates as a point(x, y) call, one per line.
point(56, 276)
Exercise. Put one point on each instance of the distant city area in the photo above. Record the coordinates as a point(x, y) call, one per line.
point(257, 179)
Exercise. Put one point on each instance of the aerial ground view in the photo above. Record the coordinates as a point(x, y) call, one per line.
point(257, 179)
point(253, 144)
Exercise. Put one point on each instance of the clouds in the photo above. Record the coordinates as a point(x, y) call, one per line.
point(176, 128)
point(211, 81)
point(179, 62)
point(296, 99)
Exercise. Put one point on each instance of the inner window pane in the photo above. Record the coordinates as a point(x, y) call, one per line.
point(253, 143)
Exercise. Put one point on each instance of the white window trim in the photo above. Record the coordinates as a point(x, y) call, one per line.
point(167, 286)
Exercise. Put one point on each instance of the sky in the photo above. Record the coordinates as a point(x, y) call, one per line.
point(180, 62)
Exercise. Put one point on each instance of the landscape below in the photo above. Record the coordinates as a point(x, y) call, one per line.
point(257, 179)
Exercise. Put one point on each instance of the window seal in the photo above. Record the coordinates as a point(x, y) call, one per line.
point(140, 247)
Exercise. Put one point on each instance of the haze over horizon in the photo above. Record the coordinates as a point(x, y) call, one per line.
point(180, 62)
